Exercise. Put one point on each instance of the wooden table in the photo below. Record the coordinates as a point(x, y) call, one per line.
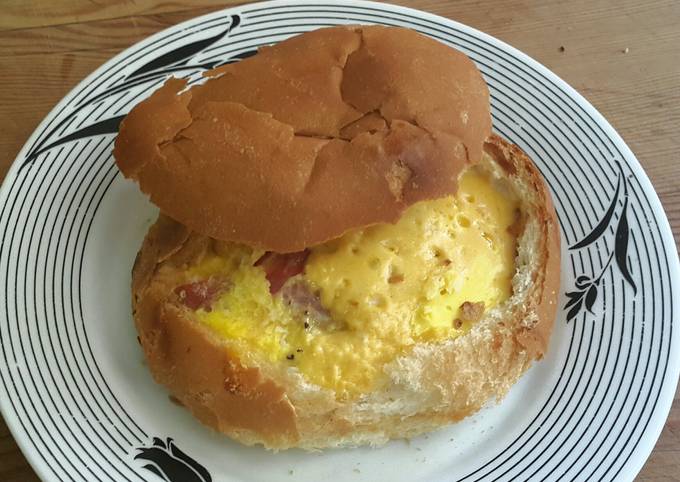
point(623, 56)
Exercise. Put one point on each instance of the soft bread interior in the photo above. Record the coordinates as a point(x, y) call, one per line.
point(433, 384)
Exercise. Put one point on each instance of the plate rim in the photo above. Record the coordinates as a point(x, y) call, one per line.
point(660, 414)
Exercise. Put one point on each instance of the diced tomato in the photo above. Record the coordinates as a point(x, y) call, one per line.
point(279, 267)
point(200, 294)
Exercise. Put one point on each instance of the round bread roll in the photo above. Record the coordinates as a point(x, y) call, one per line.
point(329, 131)
point(430, 385)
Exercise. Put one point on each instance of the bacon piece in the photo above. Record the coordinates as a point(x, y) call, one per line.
point(307, 304)
point(278, 268)
point(301, 297)
point(200, 294)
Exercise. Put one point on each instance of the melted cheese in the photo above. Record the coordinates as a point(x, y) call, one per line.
point(388, 287)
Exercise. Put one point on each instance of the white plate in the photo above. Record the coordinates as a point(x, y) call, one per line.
point(79, 400)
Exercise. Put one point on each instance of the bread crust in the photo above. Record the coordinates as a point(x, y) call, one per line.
point(328, 131)
point(435, 384)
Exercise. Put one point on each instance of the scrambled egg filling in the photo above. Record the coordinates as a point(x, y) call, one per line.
point(382, 289)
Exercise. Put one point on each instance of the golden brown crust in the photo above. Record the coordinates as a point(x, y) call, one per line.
point(185, 357)
point(251, 407)
point(306, 136)
point(535, 339)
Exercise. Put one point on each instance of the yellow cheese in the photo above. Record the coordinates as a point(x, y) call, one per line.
point(387, 287)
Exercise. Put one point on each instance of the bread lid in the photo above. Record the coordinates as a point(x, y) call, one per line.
point(335, 129)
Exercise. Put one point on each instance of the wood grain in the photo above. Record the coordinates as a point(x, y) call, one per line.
point(623, 56)
point(21, 14)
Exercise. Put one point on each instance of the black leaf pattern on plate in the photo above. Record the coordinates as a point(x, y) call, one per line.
point(576, 308)
point(586, 292)
point(574, 297)
point(603, 224)
point(177, 453)
point(108, 126)
point(185, 52)
point(143, 79)
point(621, 246)
point(583, 281)
point(167, 461)
point(591, 296)
point(157, 69)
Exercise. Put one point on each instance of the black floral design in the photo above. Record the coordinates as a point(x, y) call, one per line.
point(173, 62)
point(168, 462)
point(586, 292)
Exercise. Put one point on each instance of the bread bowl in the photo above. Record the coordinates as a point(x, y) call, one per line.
point(374, 272)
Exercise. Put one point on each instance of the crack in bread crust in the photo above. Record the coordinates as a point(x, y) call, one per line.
point(314, 138)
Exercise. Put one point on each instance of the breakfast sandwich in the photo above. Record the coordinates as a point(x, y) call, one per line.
point(345, 253)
